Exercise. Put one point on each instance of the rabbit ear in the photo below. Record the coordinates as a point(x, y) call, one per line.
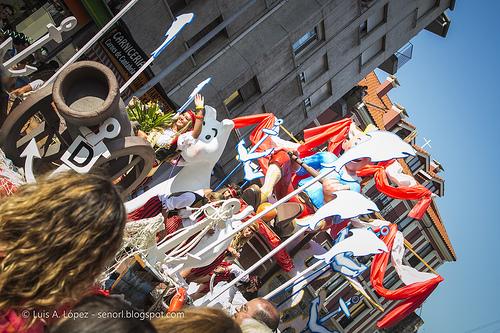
point(210, 112)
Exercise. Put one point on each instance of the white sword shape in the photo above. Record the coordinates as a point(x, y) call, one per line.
point(179, 23)
point(378, 146)
point(193, 94)
point(350, 203)
point(362, 242)
point(361, 204)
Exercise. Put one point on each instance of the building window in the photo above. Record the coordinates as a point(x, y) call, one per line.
point(395, 214)
point(374, 50)
point(356, 310)
point(424, 252)
point(432, 187)
point(243, 94)
point(426, 6)
point(404, 223)
point(221, 35)
point(311, 261)
point(305, 41)
point(402, 132)
point(332, 285)
point(177, 5)
point(414, 163)
point(391, 281)
point(315, 70)
point(318, 96)
point(378, 18)
point(234, 100)
point(307, 103)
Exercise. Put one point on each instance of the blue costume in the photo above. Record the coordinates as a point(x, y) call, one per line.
point(317, 161)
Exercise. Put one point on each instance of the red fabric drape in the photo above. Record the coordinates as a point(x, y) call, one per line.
point(418, 192)
point(263, 120)
point(335, 133)
point(6, 187)
point(412, 296)
point(282, 257)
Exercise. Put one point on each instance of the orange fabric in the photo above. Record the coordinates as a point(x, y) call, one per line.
point(418, 192)
point(178, 301)
point(412, 296)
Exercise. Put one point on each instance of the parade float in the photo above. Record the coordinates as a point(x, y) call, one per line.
point(78, 122)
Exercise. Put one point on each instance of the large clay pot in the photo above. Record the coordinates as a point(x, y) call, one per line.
point(86, 93)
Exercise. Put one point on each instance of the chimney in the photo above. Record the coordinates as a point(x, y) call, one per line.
point(393, 116)
point(387, 85)
point(400, 109)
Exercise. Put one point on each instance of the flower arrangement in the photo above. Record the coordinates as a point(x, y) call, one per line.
point(149, 115)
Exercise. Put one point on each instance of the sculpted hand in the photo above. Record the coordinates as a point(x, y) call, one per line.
point(199, 102)
point(330, 186)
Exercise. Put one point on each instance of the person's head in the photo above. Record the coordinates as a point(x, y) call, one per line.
point(249, 231)
point(197, 320)
point(185, 121)
point(57, 236)
point(103, 314)
point(225, 193)
point(260, 310)
point(357, 164)
point(355, 137)
point(252, 285)
point(20, 41)
point(6, 11)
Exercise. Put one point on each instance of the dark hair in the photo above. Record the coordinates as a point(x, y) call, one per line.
point(103, 314)
point(219, 194)
point(8, 6)
point(263, 314)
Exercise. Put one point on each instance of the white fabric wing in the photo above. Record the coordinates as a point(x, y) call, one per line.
point(395, 173)
point(407, 274)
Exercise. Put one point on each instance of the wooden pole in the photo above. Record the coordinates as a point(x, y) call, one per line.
point(409, 247)
point(365, 295)
point(290, 134)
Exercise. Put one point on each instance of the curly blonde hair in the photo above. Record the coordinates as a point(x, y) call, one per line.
point(240, 240)
point(196, 320)
point(56, 237)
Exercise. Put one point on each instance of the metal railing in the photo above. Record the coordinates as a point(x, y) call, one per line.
point(404, 54)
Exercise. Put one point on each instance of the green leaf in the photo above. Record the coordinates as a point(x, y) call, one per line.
point(148, 115)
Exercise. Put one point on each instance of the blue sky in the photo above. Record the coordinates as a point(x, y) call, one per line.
point(450, 89)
